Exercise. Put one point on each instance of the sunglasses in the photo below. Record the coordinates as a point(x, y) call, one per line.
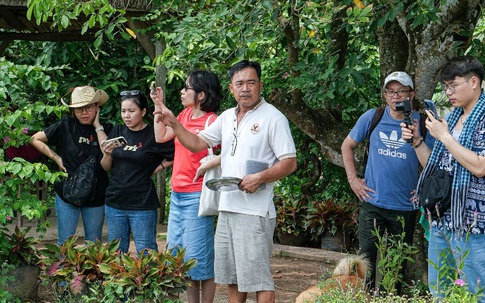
point(130, 93)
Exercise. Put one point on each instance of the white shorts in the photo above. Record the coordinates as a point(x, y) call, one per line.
point(243, 249)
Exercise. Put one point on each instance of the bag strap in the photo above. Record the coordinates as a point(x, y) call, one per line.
point(209, 149)
point(207, 121)
point(375, 120)
point(93, 145)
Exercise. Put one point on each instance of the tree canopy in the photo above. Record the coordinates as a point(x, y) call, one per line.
point(323, 61)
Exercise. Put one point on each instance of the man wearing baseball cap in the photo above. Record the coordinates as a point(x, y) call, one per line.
point(391, 172)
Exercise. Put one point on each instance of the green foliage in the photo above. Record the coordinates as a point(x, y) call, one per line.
point(23, 91)
point(4, 279)
point(416, 13)
point(16, 248)
point(78, 265)
point(114, 66)
point(316, 199)
point(98, 14)
point(16, 193)
point(335, 295)
point(290, 210)
point(151, 276)
point(343, 78)
point(392, 252)
point(97, 272)
point(329, 216)
point(19, 199)
point(255, 30)
point(452, 281)
point(458, 292)
point(477, 48)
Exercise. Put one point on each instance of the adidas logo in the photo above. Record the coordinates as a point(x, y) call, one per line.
point(393, 142)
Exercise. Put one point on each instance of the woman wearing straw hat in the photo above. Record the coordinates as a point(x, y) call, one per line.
point(76, 137)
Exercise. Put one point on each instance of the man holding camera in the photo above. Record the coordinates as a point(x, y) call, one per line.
point(391, 172)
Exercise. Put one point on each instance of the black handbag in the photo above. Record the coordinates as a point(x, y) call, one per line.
point(435, 193)
point(79, 187)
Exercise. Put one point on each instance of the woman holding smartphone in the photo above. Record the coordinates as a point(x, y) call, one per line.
point(75, 138)
point(131, 197)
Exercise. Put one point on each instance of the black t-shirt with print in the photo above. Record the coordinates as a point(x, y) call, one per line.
point(75, 142)
point(131, 186)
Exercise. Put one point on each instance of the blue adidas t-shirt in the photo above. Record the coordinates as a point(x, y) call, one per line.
point(392, 166)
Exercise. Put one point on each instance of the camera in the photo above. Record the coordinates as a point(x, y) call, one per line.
point(405, 106)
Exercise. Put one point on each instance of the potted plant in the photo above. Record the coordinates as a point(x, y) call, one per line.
point(71, 269)
point(99, 272)
point(19, 260)
point(290, 219)
point(150, 277)
point(333, 221)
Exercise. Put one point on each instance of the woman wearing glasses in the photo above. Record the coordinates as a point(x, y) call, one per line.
point(201, 96)
point(75, 138)
point(131, 197)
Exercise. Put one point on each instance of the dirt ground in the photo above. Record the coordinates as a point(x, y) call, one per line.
point(291, 277)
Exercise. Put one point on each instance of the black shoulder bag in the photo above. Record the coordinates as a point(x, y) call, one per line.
point(435, 193)
point(79, 187)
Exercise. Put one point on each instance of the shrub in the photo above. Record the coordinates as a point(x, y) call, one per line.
point(98, 272)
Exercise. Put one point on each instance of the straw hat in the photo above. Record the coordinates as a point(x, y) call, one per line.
point(86, 95)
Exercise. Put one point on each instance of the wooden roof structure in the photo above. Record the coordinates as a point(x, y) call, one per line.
point(14, 24)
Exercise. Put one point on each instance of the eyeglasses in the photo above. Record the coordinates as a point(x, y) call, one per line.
point(130, 93)
point(88, 108)
point(186, 87)
point(234, 144)
point(451, 87)
point(234, 140)
point(400, 93)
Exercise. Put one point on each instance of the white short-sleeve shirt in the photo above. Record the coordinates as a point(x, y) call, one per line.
point(263, 135)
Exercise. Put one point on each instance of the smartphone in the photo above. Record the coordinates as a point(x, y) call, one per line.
point(153, 88)
point(429, 105)
point(118, 141)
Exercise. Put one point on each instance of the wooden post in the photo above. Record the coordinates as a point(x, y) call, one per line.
point(161, 78)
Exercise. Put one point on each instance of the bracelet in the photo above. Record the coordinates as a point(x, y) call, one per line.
point(419, 143)
point(163, 166)
point(97, 129)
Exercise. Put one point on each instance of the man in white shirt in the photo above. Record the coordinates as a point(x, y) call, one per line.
point(252, 134)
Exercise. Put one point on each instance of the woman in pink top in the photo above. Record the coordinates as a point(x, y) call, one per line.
point(201, 96)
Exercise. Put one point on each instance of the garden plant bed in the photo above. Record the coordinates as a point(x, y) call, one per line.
point(292, 272)
point(291, 276)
